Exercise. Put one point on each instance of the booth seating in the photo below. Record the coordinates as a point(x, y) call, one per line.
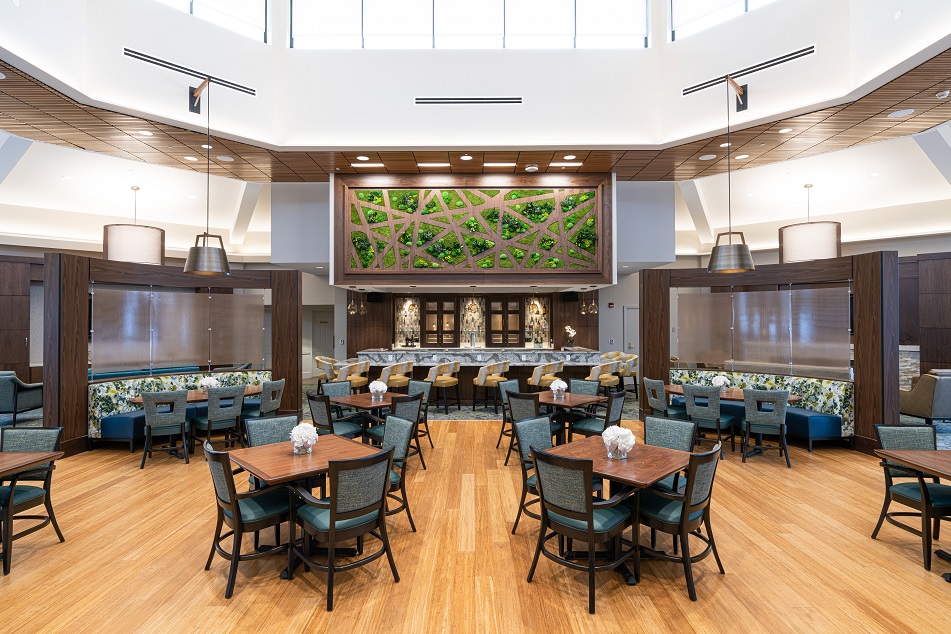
point(396, 376)
point(141, 373)
point(812, 425)
point(544, 375)
point(929, 397)
point(443, 377)
point(355, 373)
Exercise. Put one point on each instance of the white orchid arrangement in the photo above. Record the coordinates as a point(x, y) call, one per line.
point(208, 382)
point(304, 434)
point(558, 386)
point(618, 440)
point(571, 332)
point(720, 381)
point(377, 387)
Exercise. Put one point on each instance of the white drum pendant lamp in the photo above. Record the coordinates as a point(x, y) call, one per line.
point(810, 240)
point(134, 243)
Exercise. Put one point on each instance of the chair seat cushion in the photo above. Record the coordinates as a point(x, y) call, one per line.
point(490, 381)
point(726, 421)
point(23, 494)
point(807, 423)
point(347, 428)
point(603, 519)
point(397, 381)
point(445, 381)
point(320, 518)
point(758, 428)
point(940, 493)
point(394, 477)
point(593, 425)
point(251, 412)
point(608, 379)
point(357, 381)
point(662, 509)
point(168, 430)
point(376, 431)
point(202, 422)
point(676, 412)
point(272, 502)
point(667, 484)
point(125, 426)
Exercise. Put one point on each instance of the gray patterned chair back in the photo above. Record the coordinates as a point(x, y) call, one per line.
point(753, 399)
point(564, 483)
point(615, 407)
point(407, 407)
point(177, 401)
point(220, 466)
point(710, 411)
point(905, 437)
point(656, 397)
point(359, 484)
point(507, 387)
point(271, 394)
point(334, 389)
point(669, 433)
point(31, 439)
point(218, 411)
point(267, 431)
point(320, 411)
point(7, 391)
point(584, 386)
point(522, 406)
point(396, 436)
point(415, 387)
point(533, 433)
point(700, 474)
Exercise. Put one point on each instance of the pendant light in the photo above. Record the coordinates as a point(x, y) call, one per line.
point(730, 257)
point(593, 307)
point(135, 242)
point(413, 308)
point(351, 305)
point(204, 259)
point(533, 307)
point(810, 240)
point(363, 307)
point(584, 307)
point(473, 306)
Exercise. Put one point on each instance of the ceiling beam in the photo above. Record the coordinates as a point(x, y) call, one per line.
point(696, 205)
point(936, 144)
point(12, 149)
point(244, 210)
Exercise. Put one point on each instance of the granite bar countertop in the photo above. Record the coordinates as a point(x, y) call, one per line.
point(480, 356)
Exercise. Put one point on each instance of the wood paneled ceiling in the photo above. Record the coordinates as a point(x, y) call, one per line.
point(33, 110)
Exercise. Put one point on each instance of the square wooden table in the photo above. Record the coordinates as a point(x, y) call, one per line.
point(364, 400)
point(277, 463)
point(14, 461)
point(200, 396)
point(731, 394)
point(568, 402)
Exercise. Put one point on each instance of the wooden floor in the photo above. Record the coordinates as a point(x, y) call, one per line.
point(795, 544)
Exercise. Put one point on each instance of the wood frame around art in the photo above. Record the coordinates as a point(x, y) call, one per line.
point(600, 273)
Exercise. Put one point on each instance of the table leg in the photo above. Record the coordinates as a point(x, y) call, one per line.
point(562, 417)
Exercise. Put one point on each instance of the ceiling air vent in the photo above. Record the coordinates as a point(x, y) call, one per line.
point(782, 59)
point(465, 101)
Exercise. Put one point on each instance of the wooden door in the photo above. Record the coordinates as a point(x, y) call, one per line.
point(15, 318)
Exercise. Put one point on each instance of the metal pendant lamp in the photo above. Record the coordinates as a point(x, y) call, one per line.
point(203, 258)
point(810, 240)
point(730, 257)
point(135, 242)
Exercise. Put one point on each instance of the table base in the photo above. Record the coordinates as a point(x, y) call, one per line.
point(629, 577)
point(946, 556)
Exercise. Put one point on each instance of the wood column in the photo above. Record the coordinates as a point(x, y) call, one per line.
point(934, 304)
point(66, 348)
point(286, 322)
point(654, 329)
point(15, 318)
point(875, 336)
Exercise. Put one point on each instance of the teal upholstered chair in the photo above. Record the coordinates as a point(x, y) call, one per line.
point(708, 417)
point(769, 420)
point(397, 436)
point(587, 388)
point(671, 434)
point(682, 514)
point(165, 415)
point(594, 424)
point(569, 510)
point(222, 415)
point(335, 389)
point(248, 512)
point(267, 431)
point(408, 408)
point(930, 499)
point(269, 402)
point(657, 399)
point(356, 508)
point(17, 397)
point(321, 413)
point(506, 387)
point(16, 496)
point(522, 406)
point(422, 387)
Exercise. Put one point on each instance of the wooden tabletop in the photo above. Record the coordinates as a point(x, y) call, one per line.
point(277, 463)
point(198, 396)
point(547, 397)
point(644, 466)
point(14, 461)
point(732, 393)
point(936, 462)
point(364, 400)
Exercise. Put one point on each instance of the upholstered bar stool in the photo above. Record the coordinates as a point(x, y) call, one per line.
point(354, 372)
point(488, 379)
point(443, 377)
point(543, 375)
point(605, 375)
point(396, 376)
point(324, 370)
point(628, 369)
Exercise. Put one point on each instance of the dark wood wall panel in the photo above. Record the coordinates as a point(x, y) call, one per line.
point(654, 328)
point(15, 318)
point(568, 313)
point(817, 271)
point(105, 271)
point(286, 322)
point(66, 348)
point(373, 330)
point(908, 301)
point(934, 310)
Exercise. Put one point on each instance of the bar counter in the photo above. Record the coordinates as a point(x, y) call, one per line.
point(427, 357)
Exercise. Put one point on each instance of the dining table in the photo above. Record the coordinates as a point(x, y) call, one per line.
point(644, 466)
point(729, 394)
point(933, 462)
point(565, 404)
point(200, 396)
point(16, 461)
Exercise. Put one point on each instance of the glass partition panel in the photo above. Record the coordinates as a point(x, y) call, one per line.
point(820, 332)
point(120, 330)
point(180, 330)
point(704, 321)
point(761, 331)
point(237, 330)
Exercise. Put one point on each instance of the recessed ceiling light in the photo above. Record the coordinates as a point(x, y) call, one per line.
point(363, 158)
point(465, 157)
point(708, 157)
point(432, 165)
point(145, 133)
point(750, 195)
point(897, 14)
point(531, 167)
point(498, 164)
point(724, 145)
point(366, 165)
point(899, 114)
point(225, 158)
point(206, 147)
point(785, 130)
point(742, 156)
point(762, 145)
point(67, 178)
point(190, 158)
point(874, 175)
point(577, 164)
point(337, 169)
point(944, 94)
point(626, 266)
point(569, 157)
point(320, 267)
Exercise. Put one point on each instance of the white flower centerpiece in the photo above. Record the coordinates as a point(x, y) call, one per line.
point(377, 390)
point(570, 335)
point(618, 441)
point(208, 382)
point(304, 436)
point(721, 382)
point(558, 387)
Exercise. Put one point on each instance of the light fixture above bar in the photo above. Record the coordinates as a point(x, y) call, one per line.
point(499, 164)
point(563, 164)
point(432, 165)
point(367, 165)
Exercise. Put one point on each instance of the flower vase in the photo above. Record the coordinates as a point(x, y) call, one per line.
point(559, 393)
point(302, 449)
point(571, 343)
point(617, 454)
point(376, 396)
point(722, 390)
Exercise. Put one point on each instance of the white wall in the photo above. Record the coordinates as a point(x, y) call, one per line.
point(611, 320)
point(300, 223)
point(644, 224)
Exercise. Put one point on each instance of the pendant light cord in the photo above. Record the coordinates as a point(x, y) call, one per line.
point(208, 163)
point(729, 149)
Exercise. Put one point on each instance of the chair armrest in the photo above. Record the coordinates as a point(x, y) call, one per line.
point(253, 493)
point(669, 496)
point(307, 497)
point(615, 499)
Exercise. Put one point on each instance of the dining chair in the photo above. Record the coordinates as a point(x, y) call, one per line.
point(222, 416)
point(524, 405)
point(569, 510)
point(408, 408)
point(243, 513)
point(424, 388)
point(530, 433)
point(356, 508)
point(166, 414)
point(268, 403)
point(443, 377)
point(337, 389)
point(708, 417)
point(397, 436)
point(349, 426)
point(930, 499)
point(594, 424)
point(657, 400)
point(506, 387)
point(769, 420)
point(671, 434)
point(586, 388)
point(16, 497)
point(268, 431)
point(17, 397)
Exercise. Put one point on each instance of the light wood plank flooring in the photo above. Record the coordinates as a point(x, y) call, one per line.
point(795, 544)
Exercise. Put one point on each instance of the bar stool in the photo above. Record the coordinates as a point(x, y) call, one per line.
point(354, 372)
point(443, 377)
point(325, 370)
point(395, 376)
point(629, 368)
point(543, 375)
point(488, 378)
point(605, 375)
